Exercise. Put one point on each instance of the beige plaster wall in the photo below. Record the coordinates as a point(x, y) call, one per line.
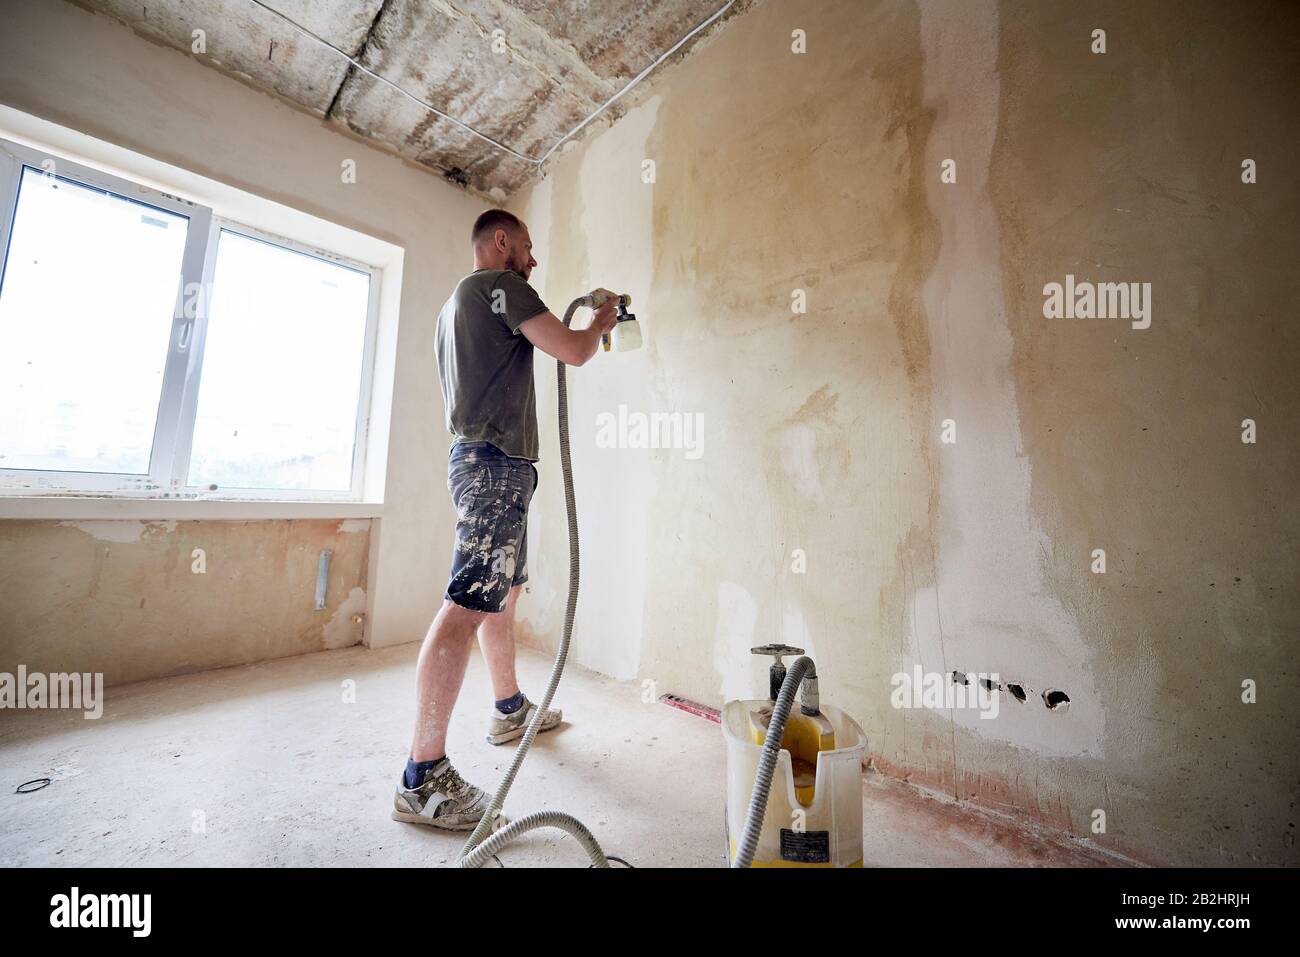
point(776, 172)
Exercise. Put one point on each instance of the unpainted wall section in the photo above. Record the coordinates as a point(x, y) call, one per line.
point(823, 508)
point(136, 600)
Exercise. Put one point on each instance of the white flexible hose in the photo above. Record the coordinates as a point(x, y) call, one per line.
point(566, 822)
point(478, 851)
point(767, 762)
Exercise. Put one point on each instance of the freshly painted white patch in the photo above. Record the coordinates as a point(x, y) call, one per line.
point(794, 632)
point(739, 670)
point(350, 526)
point(341, 631)
point(612, 488)
point(991, 609)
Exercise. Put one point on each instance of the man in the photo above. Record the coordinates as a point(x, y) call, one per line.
point(486, 335)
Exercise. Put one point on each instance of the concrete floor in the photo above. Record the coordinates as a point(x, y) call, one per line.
point(266, 765)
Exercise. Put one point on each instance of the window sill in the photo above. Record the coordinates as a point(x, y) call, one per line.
point(59, 507)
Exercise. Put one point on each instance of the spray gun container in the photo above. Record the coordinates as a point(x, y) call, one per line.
point(819, 768)
point(626, 335)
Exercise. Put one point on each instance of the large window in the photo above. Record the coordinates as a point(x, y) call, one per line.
point(150, 348)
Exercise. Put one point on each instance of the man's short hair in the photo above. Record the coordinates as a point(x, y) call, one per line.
point(491, 221)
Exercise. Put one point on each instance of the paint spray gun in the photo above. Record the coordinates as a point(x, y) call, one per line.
point(626, 334)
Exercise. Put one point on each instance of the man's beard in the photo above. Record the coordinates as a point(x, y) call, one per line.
point(513, 265)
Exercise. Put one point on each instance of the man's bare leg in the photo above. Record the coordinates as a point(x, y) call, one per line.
point(496, 639)
point(439, 673)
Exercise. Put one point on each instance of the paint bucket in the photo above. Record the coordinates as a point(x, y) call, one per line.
point(824, 832)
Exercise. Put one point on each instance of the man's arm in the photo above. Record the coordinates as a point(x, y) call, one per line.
point(573, 347)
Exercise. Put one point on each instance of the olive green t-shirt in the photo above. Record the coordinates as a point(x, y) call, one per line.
point(486, 364)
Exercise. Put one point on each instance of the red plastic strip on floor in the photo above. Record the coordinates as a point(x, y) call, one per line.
point(692, 707)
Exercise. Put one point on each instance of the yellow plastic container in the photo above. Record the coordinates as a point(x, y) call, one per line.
point(805, 826)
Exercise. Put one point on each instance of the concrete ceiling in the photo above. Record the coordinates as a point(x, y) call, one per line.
point(562, 59)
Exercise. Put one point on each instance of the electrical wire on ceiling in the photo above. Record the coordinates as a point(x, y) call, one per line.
point(476, 133)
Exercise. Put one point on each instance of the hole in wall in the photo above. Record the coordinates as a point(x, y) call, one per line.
point(959, 679)
point(1017, 691)
point(989, 684)
point(1056, 700)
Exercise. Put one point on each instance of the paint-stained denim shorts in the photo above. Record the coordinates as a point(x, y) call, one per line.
point(491, 492)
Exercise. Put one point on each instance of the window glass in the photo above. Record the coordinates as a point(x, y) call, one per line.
point(86, 307)
point(282, 370)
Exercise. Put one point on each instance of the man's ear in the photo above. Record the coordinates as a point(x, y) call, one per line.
point(501, 239)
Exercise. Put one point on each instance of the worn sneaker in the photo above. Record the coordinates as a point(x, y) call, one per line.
point(507, 727)
point(444, 799)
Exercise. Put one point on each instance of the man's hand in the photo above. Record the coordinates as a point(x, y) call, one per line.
point(606, 317)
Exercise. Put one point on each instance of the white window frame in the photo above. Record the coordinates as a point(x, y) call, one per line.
point(169, 461)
